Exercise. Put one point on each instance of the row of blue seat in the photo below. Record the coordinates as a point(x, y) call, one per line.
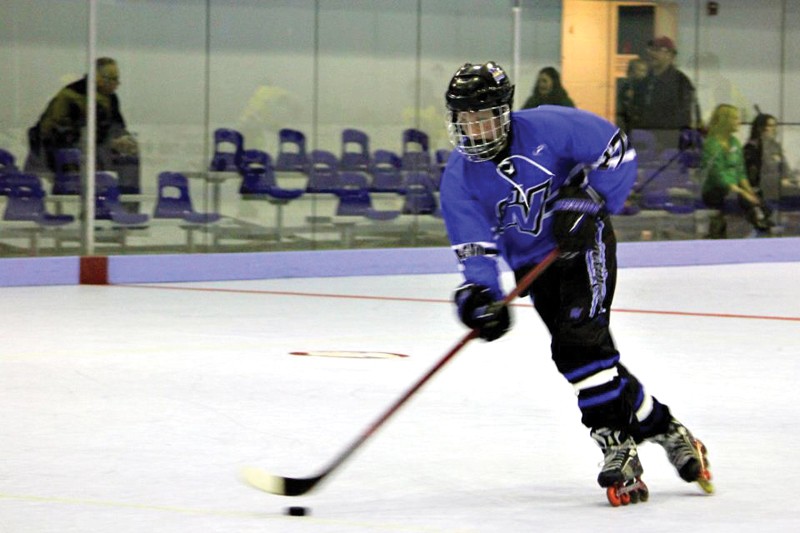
point(257, 180)
point(230, 153)
point(26, 201)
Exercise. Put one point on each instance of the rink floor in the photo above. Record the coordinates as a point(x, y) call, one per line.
point(132, 408)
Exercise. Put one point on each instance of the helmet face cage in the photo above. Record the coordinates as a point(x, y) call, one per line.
point(479, 100)
point(480, 136)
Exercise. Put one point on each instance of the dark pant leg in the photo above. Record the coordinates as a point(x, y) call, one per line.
point(128, 173)
point(717, 225)
point(573, 297)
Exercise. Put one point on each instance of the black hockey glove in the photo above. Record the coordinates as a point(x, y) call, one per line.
point(575, 215)
point(478, 310)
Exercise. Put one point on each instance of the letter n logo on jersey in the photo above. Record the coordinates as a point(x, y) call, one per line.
point(525, 213)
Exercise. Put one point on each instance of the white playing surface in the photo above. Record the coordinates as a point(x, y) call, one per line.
point(132, 409)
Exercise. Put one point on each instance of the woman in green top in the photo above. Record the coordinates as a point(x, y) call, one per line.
point(723, 161)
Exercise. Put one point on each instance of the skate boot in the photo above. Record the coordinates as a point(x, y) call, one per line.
point(686, 453)
point(622, 470)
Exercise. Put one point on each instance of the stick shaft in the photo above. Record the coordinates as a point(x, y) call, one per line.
point(298, 486)
point(372, 428)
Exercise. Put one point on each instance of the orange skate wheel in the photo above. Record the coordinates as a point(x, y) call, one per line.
point(613, 497)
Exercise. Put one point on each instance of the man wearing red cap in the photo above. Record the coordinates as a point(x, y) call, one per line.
point(667, 97)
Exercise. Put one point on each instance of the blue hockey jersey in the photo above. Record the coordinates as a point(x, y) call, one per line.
point(503, 210)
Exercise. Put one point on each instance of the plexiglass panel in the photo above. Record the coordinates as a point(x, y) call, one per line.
point(43, 50)
point(360, 83)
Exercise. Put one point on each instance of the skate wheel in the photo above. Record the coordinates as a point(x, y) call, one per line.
point(613, 497)
point(643, 491)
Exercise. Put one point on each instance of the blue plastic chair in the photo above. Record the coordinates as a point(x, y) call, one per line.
point(385, 171)
point(292, 155)
point(228, 147)
point(657, 193)
point(355, 199)
point(355, 150)
point(420, 194)
point(323, 173)
point(26, 201)
point(8, 166)
point(7, 162)
point(353, 193)
point(416, 152)
point(175, 201)
point(258, 177)
point(107, 204)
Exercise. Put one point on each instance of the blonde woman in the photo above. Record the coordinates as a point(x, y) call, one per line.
point(723, 162)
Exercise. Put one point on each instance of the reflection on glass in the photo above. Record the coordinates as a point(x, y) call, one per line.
point(363, 81)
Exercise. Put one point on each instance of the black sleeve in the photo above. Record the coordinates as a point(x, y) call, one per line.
point(752, 162)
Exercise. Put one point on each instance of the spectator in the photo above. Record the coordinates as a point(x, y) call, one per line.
point(62, 122)
point(767, 168)
point(629, 95)
point(548, 90)
point(723, 163)
point(667, 96)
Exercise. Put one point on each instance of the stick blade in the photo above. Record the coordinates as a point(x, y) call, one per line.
point(282, 486)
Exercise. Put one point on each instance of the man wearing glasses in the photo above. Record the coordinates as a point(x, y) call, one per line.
point(63, 121)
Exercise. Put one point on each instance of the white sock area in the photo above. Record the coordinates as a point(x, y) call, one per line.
point(599, 378)
point(645, 409)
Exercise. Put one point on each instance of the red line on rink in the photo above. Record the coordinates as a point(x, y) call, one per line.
point(291, 293)
point(439, 300)
point(710, 315)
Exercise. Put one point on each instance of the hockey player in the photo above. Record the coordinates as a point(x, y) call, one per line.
point(517, 186)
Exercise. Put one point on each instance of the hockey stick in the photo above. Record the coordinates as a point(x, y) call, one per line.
point(292, 486)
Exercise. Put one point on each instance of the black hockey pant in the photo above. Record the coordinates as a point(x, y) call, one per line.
point(573, 297)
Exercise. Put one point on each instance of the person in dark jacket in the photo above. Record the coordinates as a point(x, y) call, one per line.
point(666, 98)
point(548, 90)
point(63, 121)
point(768, 170)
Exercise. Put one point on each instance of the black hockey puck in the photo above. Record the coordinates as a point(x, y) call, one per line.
point(296, 510)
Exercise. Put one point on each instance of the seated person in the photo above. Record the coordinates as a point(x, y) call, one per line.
point(61, 125)
point(767, 169)
point(723, 162)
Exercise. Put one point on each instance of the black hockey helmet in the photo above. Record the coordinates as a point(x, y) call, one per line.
point(475, 87)
point(479, 100)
